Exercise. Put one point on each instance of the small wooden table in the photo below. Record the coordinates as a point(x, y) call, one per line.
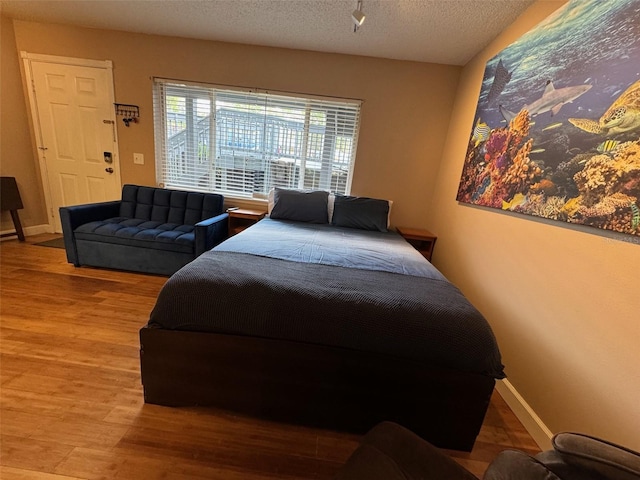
point(422, 240)
point(241, 218)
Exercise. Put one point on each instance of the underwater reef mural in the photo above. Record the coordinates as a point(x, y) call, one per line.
point(557, 127)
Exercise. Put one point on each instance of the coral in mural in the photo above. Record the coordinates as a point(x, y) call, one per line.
point(614, 212)
point(627, 157)
point(562, 177)
point(600, 187)
point(519, 126)
point(522, 173)
point(552, 207)
point(607, 206)
point(500, 168)
point(610, 189)
point(594, 181)
point(604, 175)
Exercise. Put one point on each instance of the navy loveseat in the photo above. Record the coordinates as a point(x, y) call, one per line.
point(150, 230)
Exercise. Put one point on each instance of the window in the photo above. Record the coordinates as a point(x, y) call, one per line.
point(241, 143)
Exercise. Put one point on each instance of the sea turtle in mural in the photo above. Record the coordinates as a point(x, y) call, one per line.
point(623, 114)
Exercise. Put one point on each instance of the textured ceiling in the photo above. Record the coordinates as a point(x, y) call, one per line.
point(439, 31)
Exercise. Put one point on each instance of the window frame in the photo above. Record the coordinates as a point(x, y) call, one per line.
point(332, 123)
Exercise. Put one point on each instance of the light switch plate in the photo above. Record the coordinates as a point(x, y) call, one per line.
point(138, 158)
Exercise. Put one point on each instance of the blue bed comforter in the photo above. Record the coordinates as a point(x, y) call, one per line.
point(333, 286)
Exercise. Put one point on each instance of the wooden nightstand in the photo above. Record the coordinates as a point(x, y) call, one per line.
point(422, 240)
point(241, 218)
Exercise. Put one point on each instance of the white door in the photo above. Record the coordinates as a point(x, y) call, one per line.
point(74, 119)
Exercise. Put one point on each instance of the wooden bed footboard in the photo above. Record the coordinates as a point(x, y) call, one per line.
point(312, 385)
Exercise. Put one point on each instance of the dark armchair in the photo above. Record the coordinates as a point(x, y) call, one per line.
point(391, 452)
point(150, 230)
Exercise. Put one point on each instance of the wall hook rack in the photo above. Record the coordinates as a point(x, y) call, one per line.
point(130, 113)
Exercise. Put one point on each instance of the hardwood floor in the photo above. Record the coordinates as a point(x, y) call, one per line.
point(71, 399)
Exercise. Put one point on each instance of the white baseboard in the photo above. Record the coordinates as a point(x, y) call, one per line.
point(38, 229)
point(33, 230)
point(523, 411)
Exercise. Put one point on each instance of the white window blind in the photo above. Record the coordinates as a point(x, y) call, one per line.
point(241, 143)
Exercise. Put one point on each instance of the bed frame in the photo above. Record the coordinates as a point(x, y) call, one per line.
point(313, 385)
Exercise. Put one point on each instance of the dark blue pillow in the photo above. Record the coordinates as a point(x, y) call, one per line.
point(300, 205)
point(360, 212)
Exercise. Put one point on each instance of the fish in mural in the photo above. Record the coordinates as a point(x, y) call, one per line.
point(501, 77)
point(517, 200)
point(607, 146)
point(552, 100)
point(622, 116)
point(480, 132)
point(552, 126)
point(482, 188)
point(635, 219)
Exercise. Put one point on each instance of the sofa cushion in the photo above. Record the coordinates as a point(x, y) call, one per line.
point(516, 465)
point(169, 206)
point(139, 233)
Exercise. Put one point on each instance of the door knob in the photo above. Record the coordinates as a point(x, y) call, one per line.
point(108, 170)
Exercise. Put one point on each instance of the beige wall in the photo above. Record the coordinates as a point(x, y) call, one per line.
point(405, 114)
point(563, 301)
point(16, 147)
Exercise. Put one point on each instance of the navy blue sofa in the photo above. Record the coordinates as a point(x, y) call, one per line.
point(150, 230)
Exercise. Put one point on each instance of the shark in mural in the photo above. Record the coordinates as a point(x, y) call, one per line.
point(552, 100)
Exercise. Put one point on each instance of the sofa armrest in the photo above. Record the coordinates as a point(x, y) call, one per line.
point(210, 232)
point(77, 215)
point(73, 216)
point(579, 456)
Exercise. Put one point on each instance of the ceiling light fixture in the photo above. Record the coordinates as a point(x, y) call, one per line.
point(357, 16)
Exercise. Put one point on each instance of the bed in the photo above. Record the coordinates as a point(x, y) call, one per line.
point(325, 325)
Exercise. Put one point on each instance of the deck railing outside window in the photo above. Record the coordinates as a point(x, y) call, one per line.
point(243, 143)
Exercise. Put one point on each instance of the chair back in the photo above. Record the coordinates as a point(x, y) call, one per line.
point(10, 195)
